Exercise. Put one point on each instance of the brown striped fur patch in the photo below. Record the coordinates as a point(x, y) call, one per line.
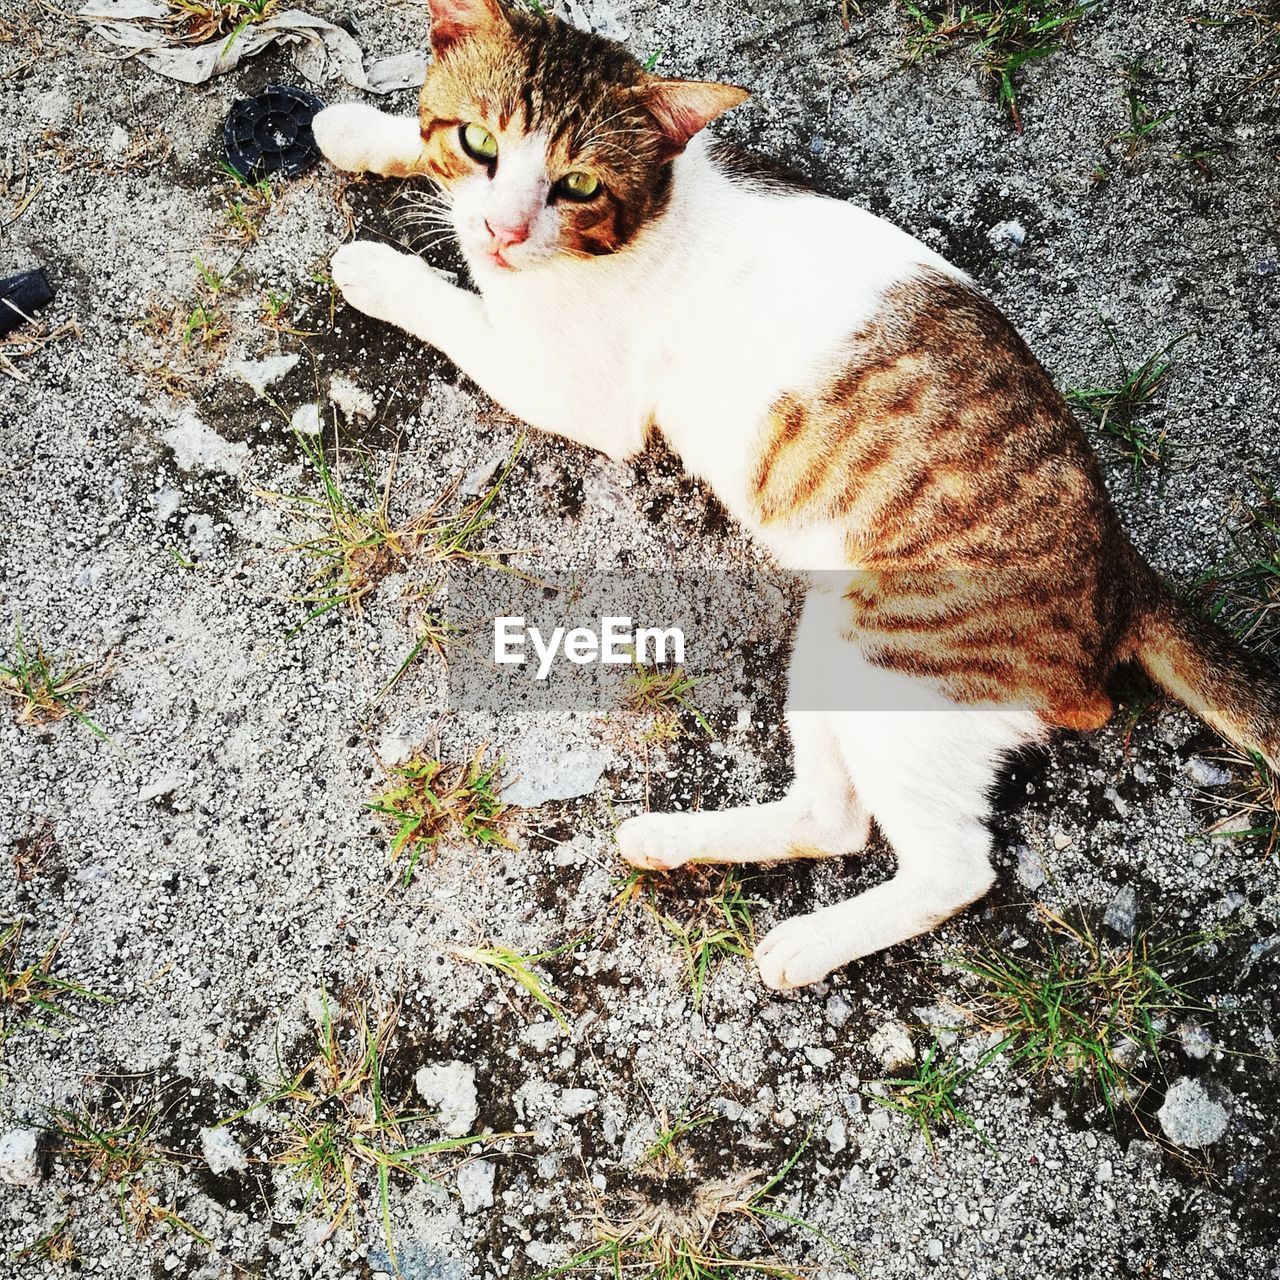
point(971, 506)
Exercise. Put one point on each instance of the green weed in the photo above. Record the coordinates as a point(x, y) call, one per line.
point(929, 1096)
point(519, 969)
point(1093, 1010)
point(1007, 34)
point(432, 801)
point(121, 1155)
point(43, 689)
point(1144, 120)
point(358, 542)
point(663, 695)
point(33, 993)
point(340, 1132)
point(1117, 409)
point(706, 911)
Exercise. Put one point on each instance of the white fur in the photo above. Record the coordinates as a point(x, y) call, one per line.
point(735, 295)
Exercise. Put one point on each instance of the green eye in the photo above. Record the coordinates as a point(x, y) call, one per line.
point(579, 185)
point(478, 142)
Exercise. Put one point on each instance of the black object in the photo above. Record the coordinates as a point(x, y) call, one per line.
point(271, 132)
point(20, 295)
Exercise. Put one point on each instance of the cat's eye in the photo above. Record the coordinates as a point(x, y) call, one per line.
point(478, 143)
point(579, 185)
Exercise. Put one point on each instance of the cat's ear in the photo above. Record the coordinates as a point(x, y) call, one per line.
point(453, 21)
point(684, 107)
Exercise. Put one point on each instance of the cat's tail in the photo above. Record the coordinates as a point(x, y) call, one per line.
point(1232, 690)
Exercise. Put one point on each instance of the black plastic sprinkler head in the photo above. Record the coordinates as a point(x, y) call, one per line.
point(20, 295)
point(271, 133)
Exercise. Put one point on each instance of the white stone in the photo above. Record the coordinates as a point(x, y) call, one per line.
point(1030, 870)
point(1205, 773)
point(837, 1136)
point(352, 400)
point(576, 1102)
point(450, 1087)
point(195, 445)
point(475, 1185)
point(541, 769)
point(306, 420)
point(222, 1153)
point(1008, 236)
point(261, 374)
point(891, 1043)
point(1190, 1117)
point(819, 1056)
point(20, 1157)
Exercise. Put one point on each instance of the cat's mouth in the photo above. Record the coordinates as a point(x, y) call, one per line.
point(496, 259)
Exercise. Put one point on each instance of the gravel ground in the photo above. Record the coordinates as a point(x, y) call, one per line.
point(212, 868)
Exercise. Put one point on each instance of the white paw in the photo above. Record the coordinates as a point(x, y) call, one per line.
point(655, 841)
point(794, 953)
point(342, 133)
point(375, 279)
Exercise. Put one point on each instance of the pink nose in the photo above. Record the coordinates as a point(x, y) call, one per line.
point(506, 237)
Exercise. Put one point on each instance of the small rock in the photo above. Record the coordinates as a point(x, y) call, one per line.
point(542, 769)
point(1105, 1171)
point(934, 1249)
point(837, 1136)
point(1190, 1117)
point(20, 1163)
point(261, 374)
point(1030, 870)
point(1061, 840)
point(576, 1102)
point(222, 1153)
point(1205, 773)
point(1122, 912)
point(1008, 237)
point(450, 1087)
point(839, 1011)
point(892, 1045)
point(352, 400)
point(158, 787)
point(818, 1056)
point(475, 1185)
point(195, 445)
point(306, 420)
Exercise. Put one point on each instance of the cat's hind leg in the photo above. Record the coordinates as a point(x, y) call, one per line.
point(926, 777)
point(820, 816)
point(361, 139)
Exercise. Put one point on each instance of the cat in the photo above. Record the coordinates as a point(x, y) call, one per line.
point(852, 400)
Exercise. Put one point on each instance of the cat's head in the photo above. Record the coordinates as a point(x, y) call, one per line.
point(549, 142)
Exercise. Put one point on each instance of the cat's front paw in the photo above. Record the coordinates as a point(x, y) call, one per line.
point(655, 841)
point(376, 279)
point(342, 132)
point(794, 953)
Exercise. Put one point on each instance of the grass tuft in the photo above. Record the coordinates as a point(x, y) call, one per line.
point(519, 969)
point(1117, 409)
point(121, 1155)
point(33, 994)
point(928, 1097)
point(1007, 34)
point(341, 1137)
point(663, 695)
point(1093, 1010)
point(432, 801)
point(684, 1227)
point(358, 543)
point(44, 689)
point(1243, 593)
point(705, 911)
point(57, 1246)
point(1144, 120)
point(1253, 807)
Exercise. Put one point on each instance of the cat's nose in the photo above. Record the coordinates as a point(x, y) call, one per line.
point(506, 235)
